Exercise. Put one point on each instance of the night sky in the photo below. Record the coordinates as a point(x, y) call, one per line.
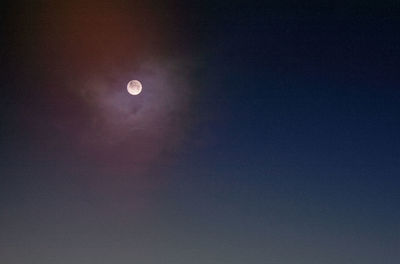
point(266, 132)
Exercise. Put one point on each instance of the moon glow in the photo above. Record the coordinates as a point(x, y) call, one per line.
point(134, 87)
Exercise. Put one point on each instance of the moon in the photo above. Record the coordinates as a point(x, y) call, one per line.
point(134, 87)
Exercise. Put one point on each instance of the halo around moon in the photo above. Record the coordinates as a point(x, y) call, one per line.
point(134, 87)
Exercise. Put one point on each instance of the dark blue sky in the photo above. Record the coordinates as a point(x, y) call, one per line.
point(271, 133)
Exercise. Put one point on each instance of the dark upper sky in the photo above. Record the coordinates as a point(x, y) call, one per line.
point(265, 132)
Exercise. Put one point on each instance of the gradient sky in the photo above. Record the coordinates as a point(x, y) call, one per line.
point(265, 132)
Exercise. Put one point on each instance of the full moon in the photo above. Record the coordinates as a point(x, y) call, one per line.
point(134, 87)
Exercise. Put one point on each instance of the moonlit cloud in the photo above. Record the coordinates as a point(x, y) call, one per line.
point(157, 115)
point(120, 114)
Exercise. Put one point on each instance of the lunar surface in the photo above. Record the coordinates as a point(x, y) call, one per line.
point(134, 87)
